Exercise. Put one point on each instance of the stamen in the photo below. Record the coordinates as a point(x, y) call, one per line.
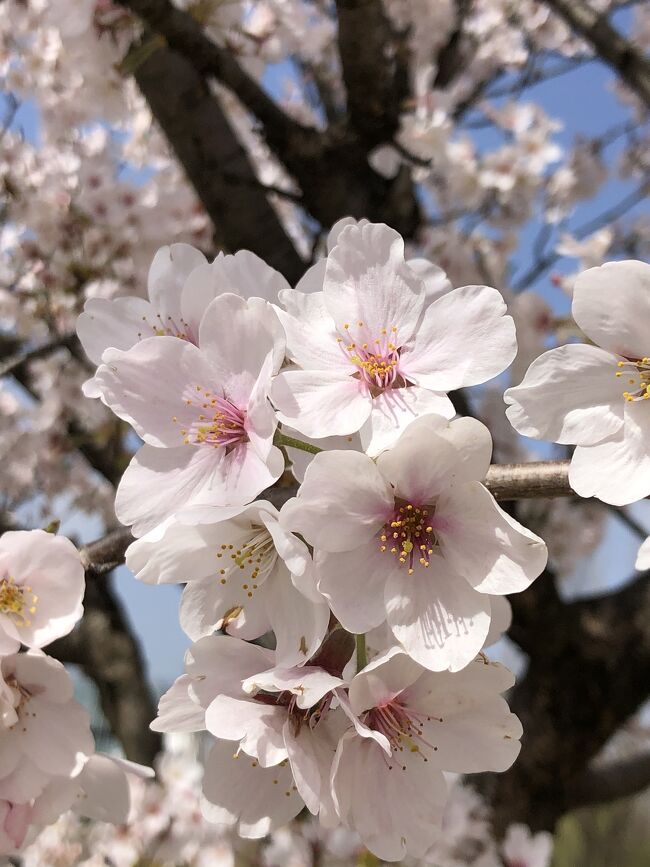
point(17, 601)
point(218, 423)
point(411, 530)
point(638, 374)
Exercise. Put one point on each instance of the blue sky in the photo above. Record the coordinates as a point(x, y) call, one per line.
point(584, 103)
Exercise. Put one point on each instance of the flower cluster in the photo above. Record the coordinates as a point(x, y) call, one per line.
point(166, 828)
point(391, 549)
point(48, 762)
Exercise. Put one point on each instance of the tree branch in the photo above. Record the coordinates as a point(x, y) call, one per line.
point(374, 68)
point(530, 480)
point(605, 783)
point(185, 35)
point(215, 161)
point(608, 44)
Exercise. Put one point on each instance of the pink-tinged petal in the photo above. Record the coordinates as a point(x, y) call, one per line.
point(177, 712)
point(148, 385)
point(570, 394)
point(173, 553)
point(393, 411)
point(617, 470)
point(611, 304)
point(57, 737)
point(42, 675)
point(353, 583)
point(260, 422)
point(481, 542)
point(159, 482)
point(311, 334)
point(321, 403)
point(422, 463)
point(311, 753)
point(243, 274)
point(643, 556)
point(394, 804)
point(299, 623)
point(470, 723)
point(436, 616)
point(308, 683)
point(218, 664)
point(464, 339)
point(384, 678)
point(105, 792)
point(243, 474)
point(342, 502)
point(237, 335)
point(119, 324)
point(368, 281)
point(239, 792)
point(208, 605)
point(436, 282)
point(26, 781)
point(170, 268)
point(257, 727)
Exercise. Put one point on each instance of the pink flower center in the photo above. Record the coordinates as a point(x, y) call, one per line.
point(409, 535)
point(402, 727)
point(376, 357)
point(638, 378)
point(218, 422)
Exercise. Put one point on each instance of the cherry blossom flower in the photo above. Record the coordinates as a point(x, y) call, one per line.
point(246, 574)
point(415, 539)
point(202, 411)
point(181, 284)
point(375, 350)
point(520, 848)
point(596, 396)
point(413, 724)
point(45, 732)
point(41, 588)
point(120, 323)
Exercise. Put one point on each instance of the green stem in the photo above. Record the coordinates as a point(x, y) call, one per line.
point(362, 659)
point(281, 439)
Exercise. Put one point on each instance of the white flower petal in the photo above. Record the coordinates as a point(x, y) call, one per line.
point(484, 544)
point(570, 394)
point(436, 616)
point(464, 339)
point(611, 304)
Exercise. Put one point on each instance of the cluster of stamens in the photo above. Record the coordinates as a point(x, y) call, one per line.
point(376, 357)
point(409, 536)
point(639, 376)
point(17, 601)
point(219, 423)
point(252, 561)
point(168, 328)
point(402, 727)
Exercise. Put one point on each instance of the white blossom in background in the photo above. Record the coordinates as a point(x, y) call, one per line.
point(398, 540)
point(595, 395)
